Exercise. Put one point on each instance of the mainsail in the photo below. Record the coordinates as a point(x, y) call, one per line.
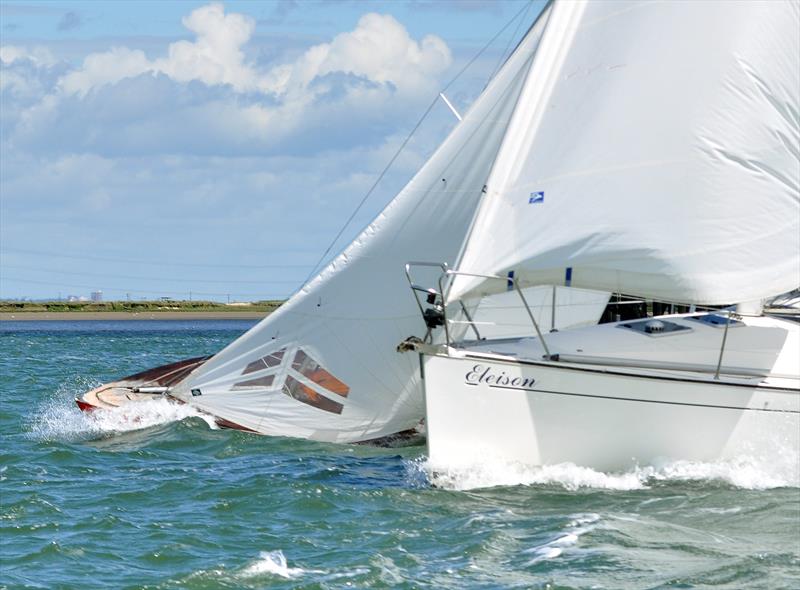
point(655, 151)
point(324, 365)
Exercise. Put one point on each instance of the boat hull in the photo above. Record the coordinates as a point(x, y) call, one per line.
point(143, 387)
point(482, 408)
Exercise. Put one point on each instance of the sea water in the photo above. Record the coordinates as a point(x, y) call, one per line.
point(162, 499)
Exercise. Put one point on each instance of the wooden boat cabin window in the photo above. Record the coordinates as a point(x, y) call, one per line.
point(302, 393)
point(267, 362)
point(312, 371)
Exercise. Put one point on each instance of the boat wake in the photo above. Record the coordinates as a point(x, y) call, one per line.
point(59, 419)
point(751, 473)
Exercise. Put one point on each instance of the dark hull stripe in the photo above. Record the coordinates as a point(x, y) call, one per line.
point(645, 401)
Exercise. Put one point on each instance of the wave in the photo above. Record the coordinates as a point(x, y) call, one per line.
point(271, 562)
point(580, 525)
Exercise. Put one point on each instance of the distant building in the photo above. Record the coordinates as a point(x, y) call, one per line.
point(97, 296)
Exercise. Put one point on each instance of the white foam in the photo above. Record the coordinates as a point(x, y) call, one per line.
point(752, 473)
point(743, 472)
point(60, 419)
point(144, 414)
point(274, 563)
point(567, 475)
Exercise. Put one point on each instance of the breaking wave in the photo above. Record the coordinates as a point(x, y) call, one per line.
point(744, 472)
point(60, 419)
point(274, 563)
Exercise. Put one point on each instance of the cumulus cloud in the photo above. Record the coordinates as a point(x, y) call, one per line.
point(37, 55)
point(378, 49)
point(216, 56)
point(205, 96)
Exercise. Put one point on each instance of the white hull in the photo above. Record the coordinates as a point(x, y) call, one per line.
point(484, 406)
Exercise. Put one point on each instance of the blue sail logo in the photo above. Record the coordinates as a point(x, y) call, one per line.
point(537, 197)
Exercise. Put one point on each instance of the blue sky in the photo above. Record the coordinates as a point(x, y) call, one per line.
point(155, 149)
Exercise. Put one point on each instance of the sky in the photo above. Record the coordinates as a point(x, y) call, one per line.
point(211, 150)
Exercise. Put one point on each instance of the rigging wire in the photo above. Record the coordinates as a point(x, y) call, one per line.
point(405, 142)
point(505, 55)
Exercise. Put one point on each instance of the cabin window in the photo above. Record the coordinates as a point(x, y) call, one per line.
point(302, 367)
point(309, 369)
point(267, 362)
point(293, 388)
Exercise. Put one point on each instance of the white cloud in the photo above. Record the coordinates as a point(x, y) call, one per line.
point(38, 55)
point(215, 57)
point(204, 96)
point(379, 49)
point(105, 68)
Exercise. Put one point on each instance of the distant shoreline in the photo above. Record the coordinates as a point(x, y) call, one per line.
point(128, 315)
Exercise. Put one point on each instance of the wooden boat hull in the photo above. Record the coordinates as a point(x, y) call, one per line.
point(145, 386)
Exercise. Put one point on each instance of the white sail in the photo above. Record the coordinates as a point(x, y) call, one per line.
point(324, 365)
point(655, 151)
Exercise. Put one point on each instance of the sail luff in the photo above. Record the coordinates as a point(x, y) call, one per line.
point(537, 30)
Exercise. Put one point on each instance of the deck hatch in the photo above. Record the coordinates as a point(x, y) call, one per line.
point(655, 327)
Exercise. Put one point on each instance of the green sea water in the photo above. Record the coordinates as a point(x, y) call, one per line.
point(162, 500)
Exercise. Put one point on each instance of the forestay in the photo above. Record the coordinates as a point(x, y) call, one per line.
point(655, 151)
point(324, 365)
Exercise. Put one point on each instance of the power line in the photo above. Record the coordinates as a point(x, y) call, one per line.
point(159, 292)
point(149, 262)
point(140, 278)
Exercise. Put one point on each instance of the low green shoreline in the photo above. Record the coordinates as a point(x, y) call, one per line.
point(134, 310)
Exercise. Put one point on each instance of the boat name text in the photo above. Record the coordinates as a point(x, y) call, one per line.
point(483, 374)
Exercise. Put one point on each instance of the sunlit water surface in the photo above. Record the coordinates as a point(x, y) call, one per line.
point(161, 500)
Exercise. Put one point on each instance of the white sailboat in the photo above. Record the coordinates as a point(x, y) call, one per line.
point(324, 365)
point(655, 151)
